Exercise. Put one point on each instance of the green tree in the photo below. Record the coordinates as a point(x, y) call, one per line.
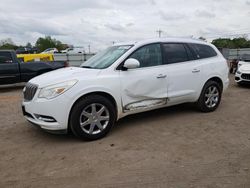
point(29, 45)
point(240, 42)
point(8, 44)
point(47, 42)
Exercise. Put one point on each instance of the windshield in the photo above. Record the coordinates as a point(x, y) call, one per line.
point(106, 58)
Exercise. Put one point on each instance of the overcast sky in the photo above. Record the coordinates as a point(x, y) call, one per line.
point(99, 22)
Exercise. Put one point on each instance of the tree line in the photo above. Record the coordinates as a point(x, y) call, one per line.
point(46, 42)
point(240, 42)
point(41, 44)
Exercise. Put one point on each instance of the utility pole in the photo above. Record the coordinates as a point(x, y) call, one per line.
point(89, 48)
point(159, 32)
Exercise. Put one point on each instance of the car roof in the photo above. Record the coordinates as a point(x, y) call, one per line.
point(169, 39)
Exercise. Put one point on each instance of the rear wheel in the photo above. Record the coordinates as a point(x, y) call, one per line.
point(92, 117)
point(210, 97)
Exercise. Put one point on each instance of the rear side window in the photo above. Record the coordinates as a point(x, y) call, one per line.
point(202, 51)
point(174, 53)
point(5, 57)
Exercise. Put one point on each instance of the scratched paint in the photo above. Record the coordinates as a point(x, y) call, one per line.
point(146, 104)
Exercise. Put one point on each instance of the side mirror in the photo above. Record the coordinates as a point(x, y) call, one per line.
point(131, 63)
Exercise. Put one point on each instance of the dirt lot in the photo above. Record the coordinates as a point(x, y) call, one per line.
point(174, 147)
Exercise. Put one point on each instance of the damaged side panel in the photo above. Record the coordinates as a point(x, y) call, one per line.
point(141, 89)
point(145, 104)
point(145, 90)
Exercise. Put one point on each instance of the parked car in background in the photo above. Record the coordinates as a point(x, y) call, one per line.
point(13, 71)
point(242, 75)
point(73, 50)
point(50, 51)
point(125, 79)
point(26, 50)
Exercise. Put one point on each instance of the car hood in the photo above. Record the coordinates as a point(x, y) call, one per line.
point(64, 74)
point(245, 68)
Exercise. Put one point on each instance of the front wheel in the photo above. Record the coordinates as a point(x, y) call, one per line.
point(92, 117)
point(210, 97)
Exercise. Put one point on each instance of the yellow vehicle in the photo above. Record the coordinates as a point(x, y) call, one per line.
point(35, 57)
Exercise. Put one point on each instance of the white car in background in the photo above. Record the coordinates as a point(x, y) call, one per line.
point(73, 50)
point(126, 79)
point(242, 74)
point(50, 51)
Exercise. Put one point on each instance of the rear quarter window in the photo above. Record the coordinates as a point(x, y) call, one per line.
point(202, 51)
point(174, 53)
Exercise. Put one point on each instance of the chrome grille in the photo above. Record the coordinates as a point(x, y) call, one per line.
point(245, 76)
point(29, 91)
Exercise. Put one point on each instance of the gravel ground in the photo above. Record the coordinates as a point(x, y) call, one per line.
point(174, 147)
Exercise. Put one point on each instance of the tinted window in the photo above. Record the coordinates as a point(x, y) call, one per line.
point(5, 57)
point(203, 51)
point(149, 55)
point(174, 53)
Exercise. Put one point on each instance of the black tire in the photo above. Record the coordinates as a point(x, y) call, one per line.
point(85, 104)
point(203, 99)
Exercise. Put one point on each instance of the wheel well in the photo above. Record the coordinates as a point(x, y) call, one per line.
point(218, 80)
point(104, 94)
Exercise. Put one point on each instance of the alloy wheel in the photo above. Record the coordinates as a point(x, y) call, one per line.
point(94, 118)
point(211, 96)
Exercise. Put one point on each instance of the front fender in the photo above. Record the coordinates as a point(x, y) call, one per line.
point(96, 89)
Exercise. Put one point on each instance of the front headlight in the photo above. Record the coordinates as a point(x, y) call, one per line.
point(238, 72)
point(55, 90)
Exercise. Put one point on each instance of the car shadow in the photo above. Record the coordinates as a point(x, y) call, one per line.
point(244, 85)
point(154, 115)
point(122, 124)
point(52, 137)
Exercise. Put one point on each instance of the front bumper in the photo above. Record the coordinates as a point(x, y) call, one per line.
point(51, 115)
point(242, 77)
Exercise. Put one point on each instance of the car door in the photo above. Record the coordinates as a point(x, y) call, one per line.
point(183, 72)
point(144, 87)
point(9, 70)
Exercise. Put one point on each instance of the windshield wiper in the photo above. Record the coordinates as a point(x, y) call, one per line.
point(88, 67)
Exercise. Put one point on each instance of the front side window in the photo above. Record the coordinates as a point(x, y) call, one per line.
point(5, 57)
point(149, 55)
point(106, 58)
point(203, 51)
point(174, 53)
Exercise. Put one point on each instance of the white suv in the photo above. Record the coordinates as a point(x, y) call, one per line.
point(126, 79)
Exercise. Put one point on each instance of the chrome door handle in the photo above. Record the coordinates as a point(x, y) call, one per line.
point(161, 76)
point(195, 70)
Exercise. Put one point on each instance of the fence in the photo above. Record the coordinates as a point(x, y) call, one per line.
point(240, 53)
point(73, 59)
